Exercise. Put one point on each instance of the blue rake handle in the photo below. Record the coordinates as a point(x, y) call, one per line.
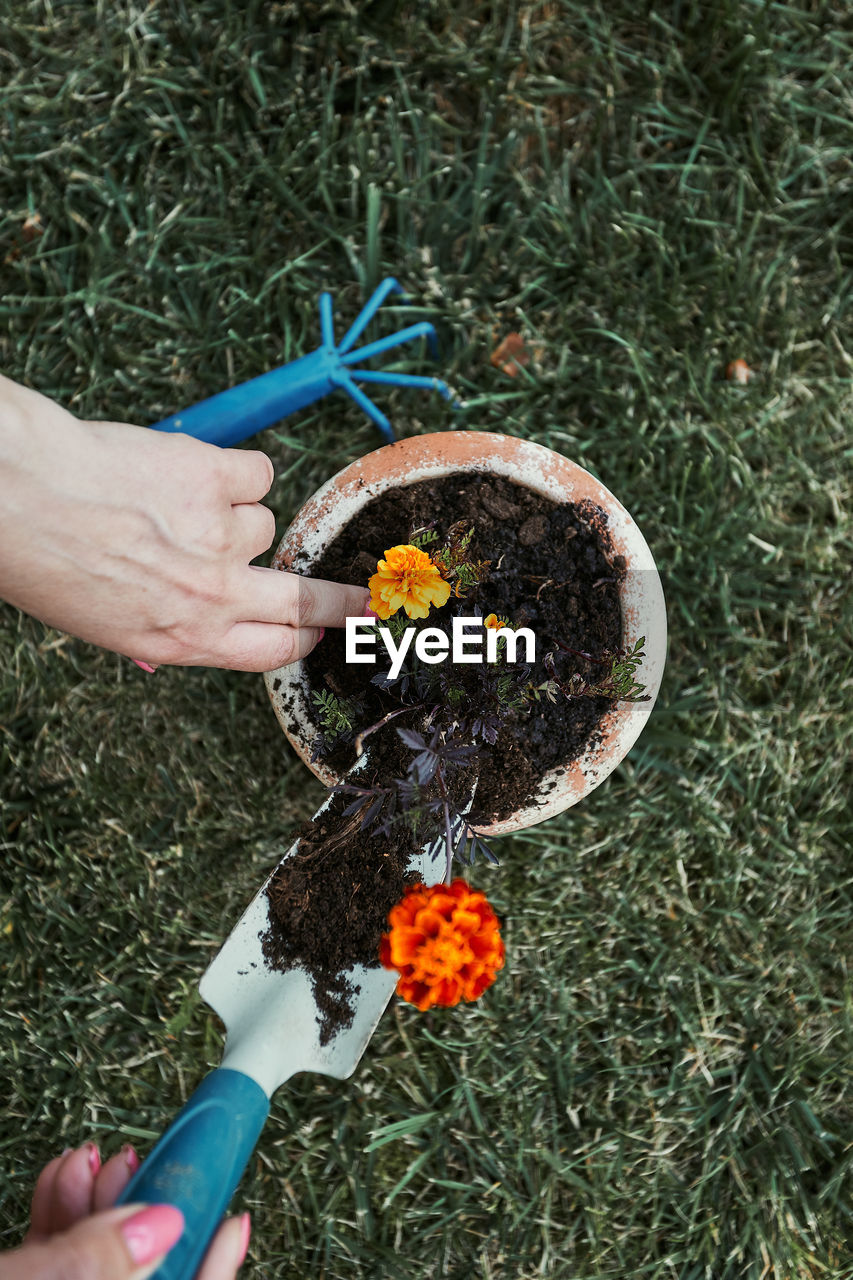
point(240, 412)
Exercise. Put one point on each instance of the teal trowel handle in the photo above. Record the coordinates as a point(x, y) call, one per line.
point(199, 1161)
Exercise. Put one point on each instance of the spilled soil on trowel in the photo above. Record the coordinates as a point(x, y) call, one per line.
point(329, 900)
point(329, 904)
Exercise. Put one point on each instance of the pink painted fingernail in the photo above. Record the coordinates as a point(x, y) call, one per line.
point(369, 613)
point(93, 1155)
point(246, 1231)
point(152, 1231)
point(131, 1159)
point(322, 633)
point(144, 666)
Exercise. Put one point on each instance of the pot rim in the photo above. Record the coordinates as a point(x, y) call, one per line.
point(548, 473)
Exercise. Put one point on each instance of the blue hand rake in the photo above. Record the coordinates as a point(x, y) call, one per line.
point(238, 413)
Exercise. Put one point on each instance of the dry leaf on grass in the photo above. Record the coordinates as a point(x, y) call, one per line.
point(739, 371)
point(512, 354)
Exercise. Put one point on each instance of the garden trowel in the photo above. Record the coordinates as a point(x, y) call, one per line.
point(271, 1019)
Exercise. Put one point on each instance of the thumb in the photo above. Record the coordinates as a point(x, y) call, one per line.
point(119, 1244)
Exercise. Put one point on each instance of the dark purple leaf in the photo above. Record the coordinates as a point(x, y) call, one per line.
point(374, 811)
point(423, 767)
point(354, 806)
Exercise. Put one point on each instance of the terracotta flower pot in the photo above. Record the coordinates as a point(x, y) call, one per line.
point(427, 457)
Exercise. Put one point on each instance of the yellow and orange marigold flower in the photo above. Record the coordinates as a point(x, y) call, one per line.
point(445, 942)
point(406, 579)
point(492, 620)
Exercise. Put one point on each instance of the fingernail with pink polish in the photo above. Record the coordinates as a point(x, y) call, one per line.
point(144, 666)
point(368, 612)
point(93, 1155)
point(246, 1230)
point(322, 633)
point(131, 1159)
point(152, 1232)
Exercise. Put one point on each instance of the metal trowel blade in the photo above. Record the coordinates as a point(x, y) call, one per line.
point(272, 1018)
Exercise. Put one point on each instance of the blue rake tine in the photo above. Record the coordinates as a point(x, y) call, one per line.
point(403, 380)
point(327, 322)
point(343, 380)
point(423, 329)
point(368, 311)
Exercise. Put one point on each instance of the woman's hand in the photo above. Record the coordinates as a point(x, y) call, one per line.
point(141, 542)
point(75, 1235)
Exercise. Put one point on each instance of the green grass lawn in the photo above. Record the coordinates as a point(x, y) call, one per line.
point(659, 1085)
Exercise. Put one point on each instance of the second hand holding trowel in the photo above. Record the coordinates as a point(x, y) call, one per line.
point(273, 1031)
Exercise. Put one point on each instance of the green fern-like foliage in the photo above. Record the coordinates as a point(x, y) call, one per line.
point(453, 563)
point(337, 715)
point(422, 538)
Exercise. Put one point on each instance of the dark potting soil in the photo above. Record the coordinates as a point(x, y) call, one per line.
point(329, 900)
point(552, 569)
point(329, 904)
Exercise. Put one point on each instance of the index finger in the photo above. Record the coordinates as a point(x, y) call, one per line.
point(304, 602)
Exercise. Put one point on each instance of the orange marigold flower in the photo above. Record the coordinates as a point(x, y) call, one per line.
point(406, 579)
point(445, 942)
point(495, 622)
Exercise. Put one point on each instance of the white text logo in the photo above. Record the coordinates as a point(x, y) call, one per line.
point(433, 645)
